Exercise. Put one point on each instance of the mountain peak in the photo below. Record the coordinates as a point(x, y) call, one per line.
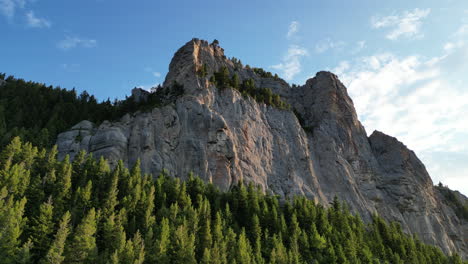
point(191, 57)
point(316, 148)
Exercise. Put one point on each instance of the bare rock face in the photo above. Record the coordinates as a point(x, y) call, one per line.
point(320, 150)
point(409, 189)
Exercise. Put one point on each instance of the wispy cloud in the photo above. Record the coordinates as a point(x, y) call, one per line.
point(360, 45)
point(291, 64)
point(422, 101)
point(71, 67)
point(462, 31)
point(293, 29)
point(71, 42)
point(153, 72)
point(328, 44)
point(149, 87)
point(9, 7)
point(36, 22)
point(408, 24)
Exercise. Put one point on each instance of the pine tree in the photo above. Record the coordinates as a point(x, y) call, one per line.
point(134, 251)
point(183, 246)
point(146, 209)
point(11, 225)
point(42, 227)
point(235, 81)
point(244, 250)
point(63, 186)
point(111, 199)
point(162, 244)
point(204, 238)
point(24, 255)
point(82, 200)
point(279, 254)
point(82, 247)
point(113, 236)
point(55, 253)
point(139, 246)
point(222, 77)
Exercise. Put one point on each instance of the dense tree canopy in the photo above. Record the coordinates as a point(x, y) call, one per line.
point(83, 211)
point(460, 207)
point(223, 80)
point(37, 112)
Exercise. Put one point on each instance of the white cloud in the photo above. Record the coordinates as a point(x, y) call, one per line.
point(328, 44)
point(293, 29)
point(71, 67)
point(72, 42)
point(421, 101)
point(360, 45)
point(154, 73)
point(462, 30)
point(149, 87)
point(291, 63)
point(407, 24)
point(9, 7)
point(342, 68)
point(36, 22)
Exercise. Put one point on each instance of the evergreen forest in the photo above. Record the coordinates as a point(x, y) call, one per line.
point(83, 211)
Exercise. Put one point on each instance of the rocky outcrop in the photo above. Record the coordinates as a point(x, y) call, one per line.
point(320, 150)
point(139, 95)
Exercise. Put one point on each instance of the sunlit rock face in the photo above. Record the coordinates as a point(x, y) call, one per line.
point(320, 151)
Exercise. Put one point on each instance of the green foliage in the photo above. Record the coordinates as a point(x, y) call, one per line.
point(223, 80)
point(42, 227)
point(264, 74)
point(203, 71)
point(460, 208)
point(122, 216)
point(55, 252)
point(302, 122)
point(82, 248)
point(237, 63)
point(38, 113)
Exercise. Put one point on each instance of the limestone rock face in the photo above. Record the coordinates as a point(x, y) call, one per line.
point(320, 150)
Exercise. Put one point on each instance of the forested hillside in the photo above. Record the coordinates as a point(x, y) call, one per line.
point(55, 211)
point(37, 113)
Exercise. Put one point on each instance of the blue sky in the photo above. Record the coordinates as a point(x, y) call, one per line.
point(404, 62)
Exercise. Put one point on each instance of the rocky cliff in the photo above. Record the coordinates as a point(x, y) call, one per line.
point(320, 150)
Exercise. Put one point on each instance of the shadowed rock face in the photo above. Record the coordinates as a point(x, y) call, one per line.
point(224, 137)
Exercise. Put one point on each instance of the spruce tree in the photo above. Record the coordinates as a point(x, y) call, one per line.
point(183, 246)
point(162, 243)
point(82, 247)
point(55, 254)
point(42, 227)
point(244, 249)
point(11, 226)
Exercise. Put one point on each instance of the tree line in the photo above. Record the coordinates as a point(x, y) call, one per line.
point(38, 113)
point(223, 79)
point(82, 211)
